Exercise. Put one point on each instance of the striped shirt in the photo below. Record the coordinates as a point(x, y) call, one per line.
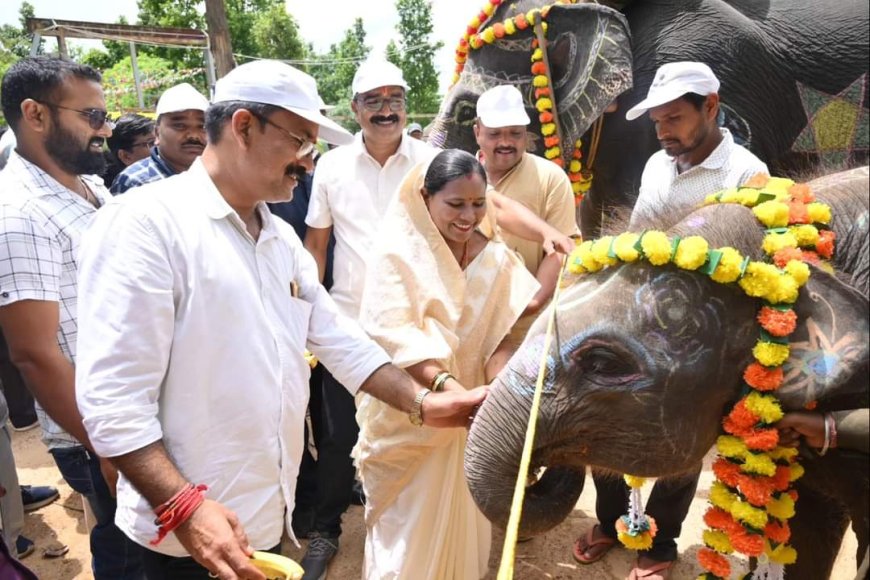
point(152, 168)
point(41, 223)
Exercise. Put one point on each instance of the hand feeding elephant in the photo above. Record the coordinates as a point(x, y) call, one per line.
point(647, 359)
point(793, 72)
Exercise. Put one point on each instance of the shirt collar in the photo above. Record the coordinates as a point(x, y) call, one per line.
point(164, 167)
point(404, 148)
point(721, 153)
point(45, 184)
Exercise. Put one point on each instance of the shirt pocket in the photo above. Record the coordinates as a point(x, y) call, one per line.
point(298, 319)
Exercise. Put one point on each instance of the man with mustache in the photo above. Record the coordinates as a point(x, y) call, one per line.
point(196, 307)
point(180, 132)
point(697, 158)
point(51, 192)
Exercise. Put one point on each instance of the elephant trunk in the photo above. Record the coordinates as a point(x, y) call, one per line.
point(492, 459)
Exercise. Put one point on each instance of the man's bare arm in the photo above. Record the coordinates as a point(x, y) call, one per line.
point(517, 219)
point(317, 242)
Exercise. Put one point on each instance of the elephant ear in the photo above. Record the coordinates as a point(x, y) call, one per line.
point(830, 348)
point(591, 62)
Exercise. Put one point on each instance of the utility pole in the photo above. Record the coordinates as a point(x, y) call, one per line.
point(219, 36)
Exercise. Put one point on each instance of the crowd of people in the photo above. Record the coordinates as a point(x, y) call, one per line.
point(160, 302)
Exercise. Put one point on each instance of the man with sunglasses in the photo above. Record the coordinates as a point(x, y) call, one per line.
point(180, 134)
point(132, 139)
point(50, 195)
point(352, 187)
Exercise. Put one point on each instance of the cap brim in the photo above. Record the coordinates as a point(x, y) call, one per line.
point(655, 101)
point(330, 131)
point(498, 120)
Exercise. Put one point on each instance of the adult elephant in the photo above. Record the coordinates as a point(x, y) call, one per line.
point(793, 73)
point(648, 358)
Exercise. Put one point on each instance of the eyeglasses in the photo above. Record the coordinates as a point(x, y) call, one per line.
point(375, 104)
point(150, 143)
point(304, 147)
point(96, 117)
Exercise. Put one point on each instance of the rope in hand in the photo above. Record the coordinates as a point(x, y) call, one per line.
point(506, 568)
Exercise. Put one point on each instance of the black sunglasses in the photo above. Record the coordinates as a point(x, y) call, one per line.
point(96, 117)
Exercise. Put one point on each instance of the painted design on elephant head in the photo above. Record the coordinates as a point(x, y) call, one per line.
point(837, 125)
point(679, 315)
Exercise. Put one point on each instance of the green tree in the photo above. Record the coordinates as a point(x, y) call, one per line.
point(14, 42)
point(415, 54)
point(276, 35)
point(156, 75)
point(334, 70)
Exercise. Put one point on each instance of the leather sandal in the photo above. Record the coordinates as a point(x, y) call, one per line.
point(584, 544)
point(653, 571)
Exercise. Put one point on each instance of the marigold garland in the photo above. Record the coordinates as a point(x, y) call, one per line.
point(752, 497)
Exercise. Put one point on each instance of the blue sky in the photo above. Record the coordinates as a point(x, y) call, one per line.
point(318, 25)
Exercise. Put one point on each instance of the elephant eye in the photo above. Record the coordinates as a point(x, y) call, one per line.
point(603, 364)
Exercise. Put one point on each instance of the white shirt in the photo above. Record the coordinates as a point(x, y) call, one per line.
point(189, 333)
point(729, 165)
point(351, 192)
point(41, 224)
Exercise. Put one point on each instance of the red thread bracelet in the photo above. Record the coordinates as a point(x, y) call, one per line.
point(177, 510)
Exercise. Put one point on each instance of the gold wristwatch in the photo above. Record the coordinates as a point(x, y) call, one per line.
point(416, 414)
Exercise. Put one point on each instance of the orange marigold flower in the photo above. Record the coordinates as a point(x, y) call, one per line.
point(715, 562)
point(810, 257)
point(802, 192)
point(762, 378)
point(747, 542)
point(740, 419)
point(545, 117)
point(797, 212)
point(777, 322)
point(825, 245)
point(551, 142)
point(781, 478)
point(558, 161)
point(761, 439)
point(539, 68)
point(726, 472)
point(793, 494)
point(811, 405)
point(756, 490)
point(498, 30)
point(757, 181)
point(542, 92)
point(719, 519)
point(470, 30)
point(777, 531)
point(575, 177)
point(521, 22)
point(786, 255)
point(483, 16)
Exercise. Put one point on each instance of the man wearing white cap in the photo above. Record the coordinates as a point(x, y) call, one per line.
point(195, 309)
point(697, 158)
point(415, 130)
point(536, 183)
point(180, 132)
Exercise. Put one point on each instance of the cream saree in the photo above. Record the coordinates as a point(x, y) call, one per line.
point(421, 522)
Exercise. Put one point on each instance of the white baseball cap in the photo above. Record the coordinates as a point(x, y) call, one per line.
point(502, 106)
point(272, 82)
point(375, 73)
point(414, 127)
point(181, 97)
point(672, 81)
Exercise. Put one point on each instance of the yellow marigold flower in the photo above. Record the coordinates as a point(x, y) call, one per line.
point(746, 513)
point(721, 496)
point(552, 152)
point(544, 27)
point(779, 184)
point(575, 166)
point(585, 185)
point(806, 235)
point(710, 199)
point(731, 447)
point(691, 253)
point(782, 507)
point(730, 195)
point(600, 248)
point(488, 35)
point(782, 453)
point(798, 270)
point(537, 55)
point(532, 16)
point(639, 542)
point(544, 105)
point(782, 554)
point(575, 187)
point(785, 292)
point(772, 214)
point(584, 252)
point(770, 354)
point(475, 41)
point(510, 26)
point(656, 247)
point(796, 471)
point(547, 129)
point(718, 541)
point(488, 9)
point(475, 22)
point(765, 406)
point(728, 269)
point(758, 463)
point(633, 481)
point(623, 246)
point(455, 78)
point(574, 265)
point(819, 213)
point(540, 81)
point(774, 242)
point(759, 279)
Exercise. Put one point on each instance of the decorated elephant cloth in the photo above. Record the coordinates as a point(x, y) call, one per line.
point(421, 521)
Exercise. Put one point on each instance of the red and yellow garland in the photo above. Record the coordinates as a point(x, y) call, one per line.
point(475, 37)
point(751, 499)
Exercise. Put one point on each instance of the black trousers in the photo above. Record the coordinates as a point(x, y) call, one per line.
point(334, 438)
point(162, 567)
point(668, 504)
point(21, 410)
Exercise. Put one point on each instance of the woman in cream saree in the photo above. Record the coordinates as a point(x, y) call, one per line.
point(440, 297)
